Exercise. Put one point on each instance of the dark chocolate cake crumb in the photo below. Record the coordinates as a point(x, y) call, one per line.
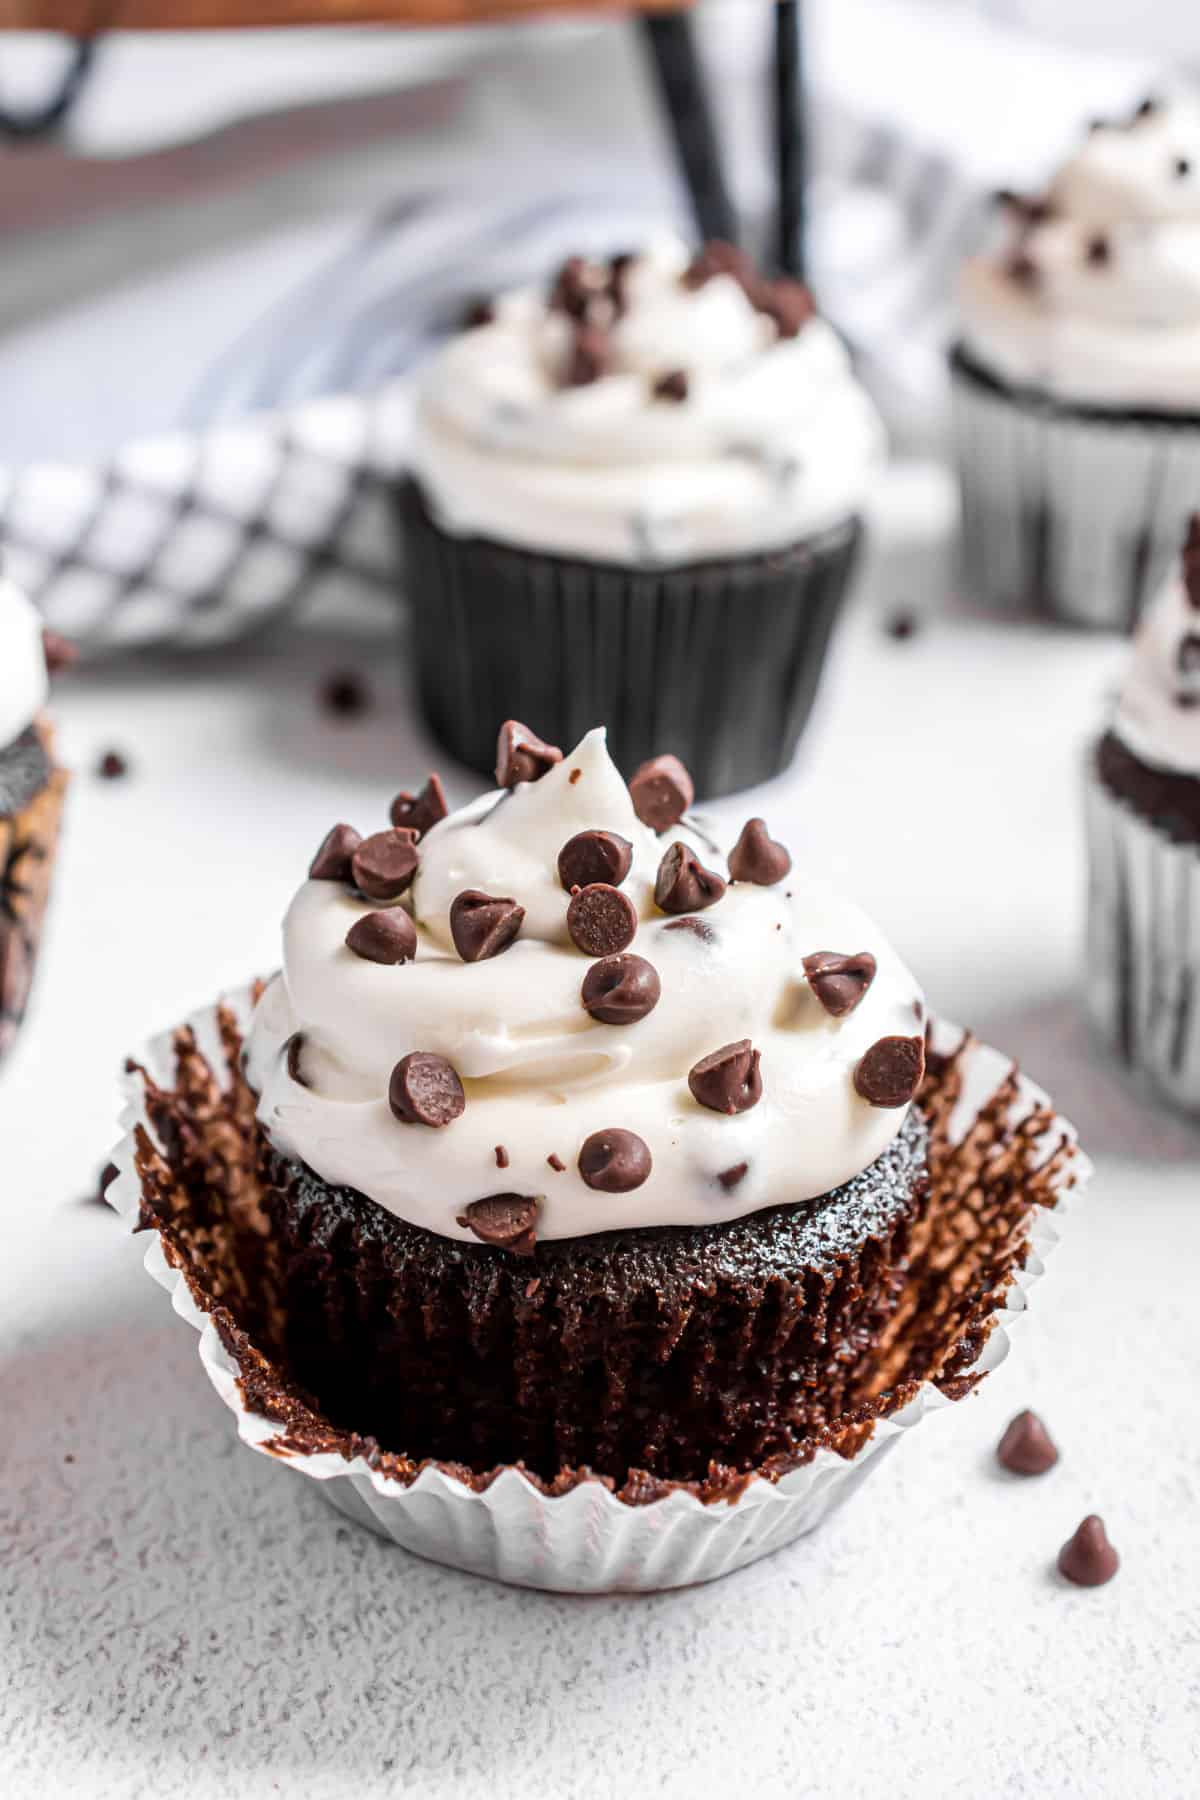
point(1087, 1558)
point(615, 1161)
point(756, 857)
point(683, 884)
point(601, 920)
point(621, 990)
point(594, 856)
point(1026, 1447)
point(112, 766)
point(522, 756)
point(662, 791)
point(425, 1090)
point(728, 1080)
point(333, 859)
point(483, 925)
point(345, 695)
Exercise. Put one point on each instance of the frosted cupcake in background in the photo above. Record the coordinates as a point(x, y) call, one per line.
point(1144, 843)
point(31, 797)
point(636, 498)
point(1077, 378)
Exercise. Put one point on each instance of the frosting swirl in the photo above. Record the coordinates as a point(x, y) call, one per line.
point(1158, 709)
point(1096, 295)
point(606, 1126)
point(659, 411)
point(24, 684)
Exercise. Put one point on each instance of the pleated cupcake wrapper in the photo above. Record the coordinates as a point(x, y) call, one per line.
point(1143, 946)
point(28, 844)
point(587, 1540)
point(1072, 513)
point(720, 663)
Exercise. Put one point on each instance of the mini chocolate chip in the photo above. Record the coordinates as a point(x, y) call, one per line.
point(345, 695)
point(594, 856)
point(890, 1072)
point(683, 884)
point(1088, 1559)
point(332, 861)
point(59, 652)
point(902, 625)
point(504, 1220)
point(661, 791)
point(425, 1090)
point(294, 1053)
point(614, 1162)
point(112, 766)
point(601, 920)
point(501, 1157)
point(521, 756)
point(556, 1163)
point(698, 927)
point(574, 776)
point(1182, 167)
point(479, 313)
point(839, 982)
point(482, 925)
point(420, 812)
point(728, 1080)
point(108, 1175)
point(383, 937)
point(384, 864)
point(1027, 1447)
point(672, 386)
point(732, 1178)
point(620, 990)
point(590, 356)
point(756, 857)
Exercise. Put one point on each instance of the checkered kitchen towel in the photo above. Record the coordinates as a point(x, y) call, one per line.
point(207, 347)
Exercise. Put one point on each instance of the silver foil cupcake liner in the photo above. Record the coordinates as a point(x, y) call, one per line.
point(1076, 513)
point(1143, 945)
point(583, 1537)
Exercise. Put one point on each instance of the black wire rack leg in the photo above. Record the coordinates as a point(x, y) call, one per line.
point(681, 83)
point(791, 159)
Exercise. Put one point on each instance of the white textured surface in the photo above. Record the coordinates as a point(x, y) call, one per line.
point(179, 1619)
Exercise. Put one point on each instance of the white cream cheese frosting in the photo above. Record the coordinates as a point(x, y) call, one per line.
point(1095, 296)
point(24, 684)
point(1158, 708)
point(539, 1074)
point(773, 438)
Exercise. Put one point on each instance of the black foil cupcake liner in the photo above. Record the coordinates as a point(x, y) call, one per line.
point(720, 661)
point(1074, 512)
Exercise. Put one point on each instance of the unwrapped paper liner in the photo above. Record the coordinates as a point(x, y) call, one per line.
point(587, 1539)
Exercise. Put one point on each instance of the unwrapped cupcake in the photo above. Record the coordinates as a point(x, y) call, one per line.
point(636, 498)
point(1143, 795)
point(1077, 377)
point(32, 788)
point(578, 1204)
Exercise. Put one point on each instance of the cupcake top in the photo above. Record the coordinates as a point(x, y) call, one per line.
point(653, 409)
point(24, 683)
point(561, 1011)
point(1095, 295)
point(1158, 710)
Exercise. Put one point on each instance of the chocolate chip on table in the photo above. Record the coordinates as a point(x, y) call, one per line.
point(1181, 168)
point(1087, 1558)
point(108, 1175)
point(839, 982)
point(594, 856)
point(698, 927)
point(60, 653)
point(672, 386)
point(1026, 1447)
point(683, 884)
point(1099, 251)
point(891, 1071)
point(756, 856)
point(333, 859)
point(521, 755)
point(482, 925)
point(902, 625)
point(601, 920)
point(662, 791)
point(384, 864)
point(294, 1054)
point(728, 1080)
point(615, 1161)
point(112, 766)
point(590, 356)
point(425, 1090)
point(732, 1178)
point(420, 812)
point(505, 1221)
point(556, 1162)
point(620, 990)
point(501, 1157)
point(479, 313)
point(383, 937)
point(345, 695)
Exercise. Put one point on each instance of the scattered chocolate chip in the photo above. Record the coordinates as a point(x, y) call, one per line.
point(839, 982)
point(592, 856)
point(501, 1157)
point(672, 386)
point(620, 990)
point(1026, 1447)
point(112, 766)
point(732, 1178)
point(1088, 1559)
point(683, 884)
point(661, 791)
point(902, 625)
point(590, 356)
point(479, 313)
point(890, 1072)
point(60, 652)
point(294, 1052)
point(505, 1221)
point(521, 756)
point(614, 1162)
point(729, 1079)
point(1147, 107)
point(108, 1175)
point(425, 1090)
point(1098, 252)
point(482, 925)
point(384, 864)
point(698, 927)
point(345, 695)
point(789, 303)
point(601, 920)
point(757, 858)
point(383, 937)
point(420, 812)
point(556, 1163)
point(332, 861)
point(1182, 168)
point(573, 777)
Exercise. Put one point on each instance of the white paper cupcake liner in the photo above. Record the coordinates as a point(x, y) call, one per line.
point(587, 1540)
point(1070, 512)
point(1143, 945)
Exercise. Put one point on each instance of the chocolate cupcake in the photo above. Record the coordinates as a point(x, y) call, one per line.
point(31, 797)
point(1077, 378)
point(1143, 801)
point(636, 498)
